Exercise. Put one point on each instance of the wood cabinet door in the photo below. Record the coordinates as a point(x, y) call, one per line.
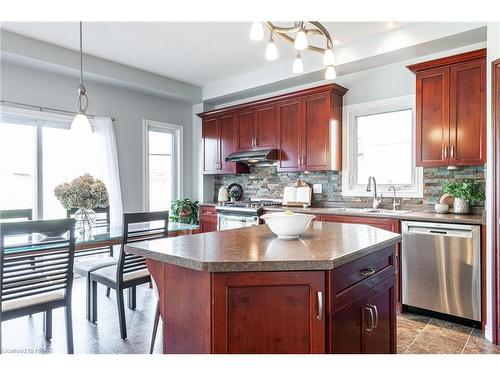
point(266, 127)
point(433, 108)
point(227, 141)
point(208, 225)
point(348, 325)
point(246, 130)
point(289, 122)
point(468, 113)
point(315, 131)
point(210, 135)
point(380, 334)
point(269, 312)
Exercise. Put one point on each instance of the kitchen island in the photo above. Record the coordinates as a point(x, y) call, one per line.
point(245, 291)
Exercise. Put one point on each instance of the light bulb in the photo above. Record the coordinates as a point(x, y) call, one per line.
point(330, 73)
point(271, 50)
point(328, 57)
point(301, 40)
point(257, 31)
point(298, 65)
point(81, 125)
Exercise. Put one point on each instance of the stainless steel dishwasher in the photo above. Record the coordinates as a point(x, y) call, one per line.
point(441, 268)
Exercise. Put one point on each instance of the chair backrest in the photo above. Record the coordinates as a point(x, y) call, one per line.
point(23, 213)
point(145, 228)
point(102, 215)
point(36, 257)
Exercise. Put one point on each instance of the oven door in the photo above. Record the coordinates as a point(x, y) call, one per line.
point(232, 221)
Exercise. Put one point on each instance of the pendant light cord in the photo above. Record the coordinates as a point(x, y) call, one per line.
point(81, 54)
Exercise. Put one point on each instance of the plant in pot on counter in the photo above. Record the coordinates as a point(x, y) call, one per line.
point(184, 211)
point(466, 193)
point(233, 195)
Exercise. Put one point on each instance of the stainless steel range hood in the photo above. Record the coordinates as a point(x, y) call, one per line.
point(254, 157)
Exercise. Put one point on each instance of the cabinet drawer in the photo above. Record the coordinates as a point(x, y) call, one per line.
point(209, 213)
point(352, 279)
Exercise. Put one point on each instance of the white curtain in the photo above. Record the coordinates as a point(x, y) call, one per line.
point(108, 160)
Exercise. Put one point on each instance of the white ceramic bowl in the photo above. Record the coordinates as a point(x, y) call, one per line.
point(287, 225)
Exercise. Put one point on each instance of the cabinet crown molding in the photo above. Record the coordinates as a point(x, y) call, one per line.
point(332, 87)
point(448, 60)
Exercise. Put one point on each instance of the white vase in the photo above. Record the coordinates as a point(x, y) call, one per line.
point(461, 206)
point(85, 222)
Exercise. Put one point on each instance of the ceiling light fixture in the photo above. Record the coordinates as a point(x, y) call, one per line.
point(301, 40)
point(298, 65)
point(297, 35)
point(80, 123)
point(257, 31)
point(271, 49)
point(392, 24)
point(330, 72)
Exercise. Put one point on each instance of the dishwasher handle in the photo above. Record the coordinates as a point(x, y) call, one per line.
point(446, 232)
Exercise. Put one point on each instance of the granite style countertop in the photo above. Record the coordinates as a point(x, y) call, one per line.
point(324, 246)
point(420, 214)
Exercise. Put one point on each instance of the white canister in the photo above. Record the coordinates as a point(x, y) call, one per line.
point(223, 194)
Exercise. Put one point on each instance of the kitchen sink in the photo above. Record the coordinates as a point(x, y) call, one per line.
point(368, 210)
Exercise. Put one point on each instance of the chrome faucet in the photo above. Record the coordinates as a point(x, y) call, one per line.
point(395, 205)
point(376, 202)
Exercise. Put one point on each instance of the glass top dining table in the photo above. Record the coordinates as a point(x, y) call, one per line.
point(101, 237)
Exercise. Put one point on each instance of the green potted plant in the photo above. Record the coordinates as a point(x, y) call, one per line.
point(233, 195)
point(465, 193)
point(184, 211)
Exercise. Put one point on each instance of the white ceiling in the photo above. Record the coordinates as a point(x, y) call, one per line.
point(199, 53)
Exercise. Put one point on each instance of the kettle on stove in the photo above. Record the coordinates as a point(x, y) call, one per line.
point(223, 194)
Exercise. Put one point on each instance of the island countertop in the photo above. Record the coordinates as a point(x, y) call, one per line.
point(324, 246)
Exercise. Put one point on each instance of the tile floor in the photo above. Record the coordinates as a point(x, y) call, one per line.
point(423, 335)
point(416, 334)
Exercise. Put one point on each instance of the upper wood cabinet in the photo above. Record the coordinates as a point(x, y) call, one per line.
point(219, 140)
point(305, 127)
point(451, 110)
point(257, 128)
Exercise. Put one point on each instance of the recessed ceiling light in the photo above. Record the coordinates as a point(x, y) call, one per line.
point(392, 24)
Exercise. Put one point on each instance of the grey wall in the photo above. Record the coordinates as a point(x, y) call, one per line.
point(31, 86)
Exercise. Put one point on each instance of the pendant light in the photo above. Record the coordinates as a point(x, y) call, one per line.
point(301, 40)
point(271, 50)
point(81, 123)
point(298, 65)
point(257, 31)
point(330, 73)
point(328, 57)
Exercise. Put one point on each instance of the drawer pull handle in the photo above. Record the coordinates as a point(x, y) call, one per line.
point(320, 305)
point(367, 272)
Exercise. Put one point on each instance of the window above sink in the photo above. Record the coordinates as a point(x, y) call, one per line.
point(380, 142)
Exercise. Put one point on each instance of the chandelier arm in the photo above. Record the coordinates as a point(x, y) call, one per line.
point(283, 32)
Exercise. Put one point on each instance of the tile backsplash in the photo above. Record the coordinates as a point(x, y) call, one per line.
point(266, 182)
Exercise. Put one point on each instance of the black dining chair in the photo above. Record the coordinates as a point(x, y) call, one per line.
point(131, 269)
point(94, 263)
point(22, 213)
point(31, 285)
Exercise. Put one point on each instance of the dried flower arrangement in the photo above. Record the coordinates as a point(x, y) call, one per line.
point(83, 192)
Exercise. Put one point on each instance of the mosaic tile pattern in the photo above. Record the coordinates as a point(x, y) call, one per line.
point(266, 182)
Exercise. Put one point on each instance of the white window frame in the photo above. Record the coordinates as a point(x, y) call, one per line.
point(177, 152)
point(349, 187)
point(39, 120)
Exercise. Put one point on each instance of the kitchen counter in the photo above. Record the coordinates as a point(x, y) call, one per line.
point(421, 214)
point(215, 298)
point(324, 246)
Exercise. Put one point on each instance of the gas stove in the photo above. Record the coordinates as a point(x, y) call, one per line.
point(251, 206)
